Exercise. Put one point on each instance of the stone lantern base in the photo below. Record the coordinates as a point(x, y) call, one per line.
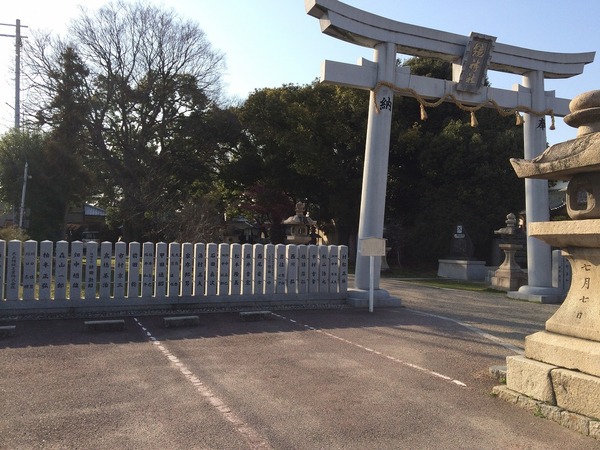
point(509, 276)
point(561, 365)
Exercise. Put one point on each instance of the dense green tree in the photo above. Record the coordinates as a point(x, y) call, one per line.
point(443, 171)
point(305, 142)
point(17, 149)
point(68, 179)
point(43, 199)
point(141, 115)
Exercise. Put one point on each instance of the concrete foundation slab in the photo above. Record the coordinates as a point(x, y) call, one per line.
point(462, 269)
point(381, 298)
point(553, 299)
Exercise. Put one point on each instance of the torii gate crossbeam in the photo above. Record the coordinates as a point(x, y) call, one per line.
point(388, 38)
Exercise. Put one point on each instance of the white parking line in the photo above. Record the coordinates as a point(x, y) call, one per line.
point(255, 441)
point(396, 360)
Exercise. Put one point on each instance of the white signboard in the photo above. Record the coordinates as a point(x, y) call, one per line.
point(371, 246)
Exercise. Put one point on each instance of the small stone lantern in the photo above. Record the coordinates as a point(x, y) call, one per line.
point(297, 227)
point(509, 276)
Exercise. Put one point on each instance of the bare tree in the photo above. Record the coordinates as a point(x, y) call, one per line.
point(197, 221)
point(150, 73)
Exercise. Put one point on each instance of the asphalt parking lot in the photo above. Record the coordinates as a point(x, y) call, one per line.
point(415, 377)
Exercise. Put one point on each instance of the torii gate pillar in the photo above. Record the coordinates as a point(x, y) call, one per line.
point(383, 79)
point(372, 202)
point(539, 255)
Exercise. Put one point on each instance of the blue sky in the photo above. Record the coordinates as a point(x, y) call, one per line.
point(269, 43)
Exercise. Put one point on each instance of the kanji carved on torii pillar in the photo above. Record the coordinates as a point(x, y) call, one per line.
point(471, 57)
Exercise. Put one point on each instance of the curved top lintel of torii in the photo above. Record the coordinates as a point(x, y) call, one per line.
point(359, 27)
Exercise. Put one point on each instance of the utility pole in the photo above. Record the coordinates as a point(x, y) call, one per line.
point(18, 45)
point(17, 108)
point(22, 209)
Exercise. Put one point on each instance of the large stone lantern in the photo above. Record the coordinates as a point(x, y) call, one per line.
point(298, 227)
point(561, 365)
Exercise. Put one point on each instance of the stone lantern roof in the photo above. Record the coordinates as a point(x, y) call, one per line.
point(298, 226)
point(300, 218)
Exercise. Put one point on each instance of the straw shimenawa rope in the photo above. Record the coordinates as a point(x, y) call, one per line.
point(423, 103)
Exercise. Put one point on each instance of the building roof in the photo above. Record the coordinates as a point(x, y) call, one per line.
point(91, 210)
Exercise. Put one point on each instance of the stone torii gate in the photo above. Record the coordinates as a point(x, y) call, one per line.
point(470, 56)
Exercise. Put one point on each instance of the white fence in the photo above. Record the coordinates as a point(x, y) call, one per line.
point(51, 276)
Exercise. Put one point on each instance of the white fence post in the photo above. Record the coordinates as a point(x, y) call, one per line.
point(291, 269)
point(269, 269)
point(60, 270)
point(247, 269)
point(147, 269)
point(259, 268)
point(212, 275)
point(105, 270)
point(91, 268)
point(45, 281)
point(187, 269)
point(323, 268)
point(133, 272)
point(174, 270)
point(280, 266)
point(76, 277)
point(120, 278)
point(235, 274)
point(160, 270)
point(334, 268)
point(29, 269)
point(343, 269)
point(223, 288)
point(2, 269)
point(199, 269)
point(13, 270)
point(302, 257)
point(313, 268)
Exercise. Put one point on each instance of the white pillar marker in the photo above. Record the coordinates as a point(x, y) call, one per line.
point(471, 57)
